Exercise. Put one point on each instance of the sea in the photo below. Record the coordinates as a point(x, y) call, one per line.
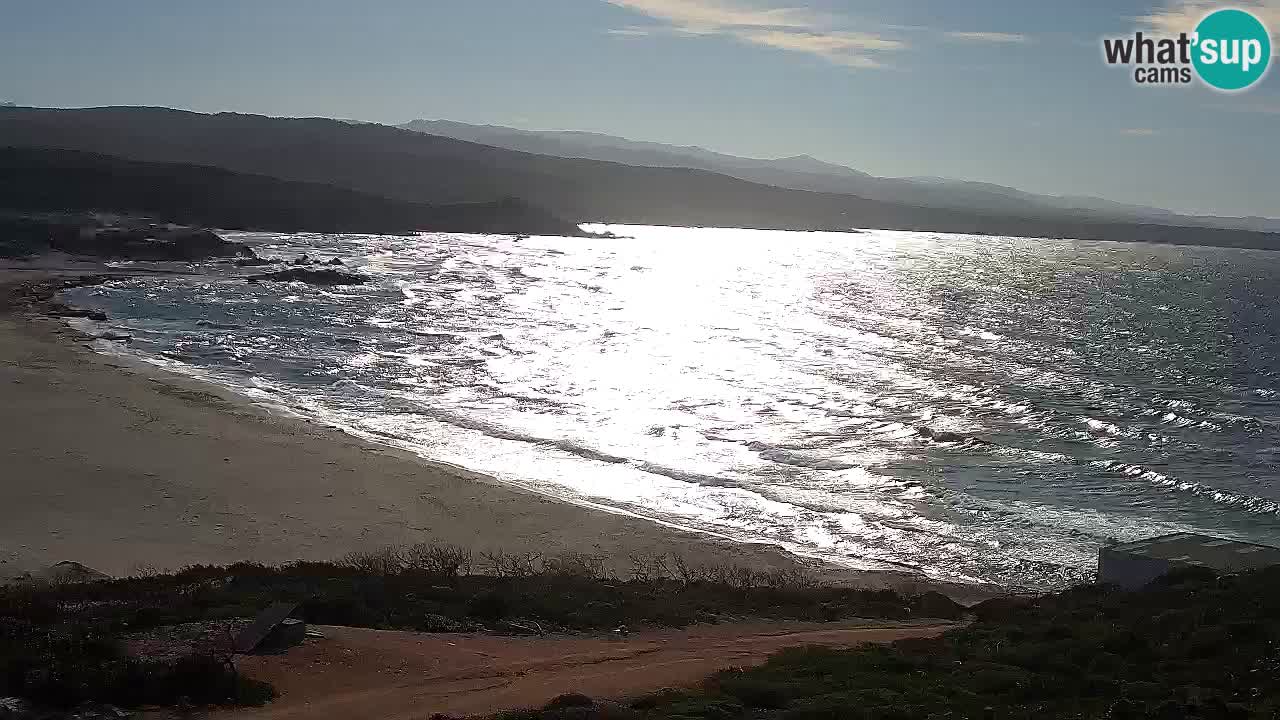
point(975, 409)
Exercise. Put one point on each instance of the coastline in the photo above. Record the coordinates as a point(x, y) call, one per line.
point(123, 466)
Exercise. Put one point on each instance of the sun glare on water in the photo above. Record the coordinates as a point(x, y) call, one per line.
point(950, 404)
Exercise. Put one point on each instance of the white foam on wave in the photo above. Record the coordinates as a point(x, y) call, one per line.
point(770, 387)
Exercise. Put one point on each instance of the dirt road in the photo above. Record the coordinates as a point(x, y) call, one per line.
point(355, 673)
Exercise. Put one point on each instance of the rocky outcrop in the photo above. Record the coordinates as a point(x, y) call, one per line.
point(125, 238)
point(38, 295)
point(946, 436)
point(256, 261)
point(61, 309)
point(300, 261)
point(311, 276)
point(151, 243)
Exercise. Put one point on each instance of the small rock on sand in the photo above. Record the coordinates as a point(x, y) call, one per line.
point(63, 573)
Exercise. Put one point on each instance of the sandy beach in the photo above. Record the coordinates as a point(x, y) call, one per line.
point(123, 467)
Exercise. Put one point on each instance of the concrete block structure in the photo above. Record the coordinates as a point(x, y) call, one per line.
point(1135, 564)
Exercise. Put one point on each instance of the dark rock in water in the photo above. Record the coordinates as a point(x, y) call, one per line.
point(256, 261)
point(155, 243)
point(940, 435)
point(57, 309)
point(312, 277)
point(945, 436)
point(303, 259)
point(217, 326)
point(347, 340)
point(116, 336)
point(336, 261)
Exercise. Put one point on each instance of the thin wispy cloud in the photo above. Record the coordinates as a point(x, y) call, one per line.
point(1140, 132)
point(1177, 16)
point(718, 14)
point(842, 48)
point(792, 29)
point(987, 37)
point(628, 32)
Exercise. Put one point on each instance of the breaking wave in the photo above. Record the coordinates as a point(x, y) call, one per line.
point(977, 409)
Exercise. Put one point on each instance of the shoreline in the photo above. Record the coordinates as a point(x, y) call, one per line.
point(159, 470)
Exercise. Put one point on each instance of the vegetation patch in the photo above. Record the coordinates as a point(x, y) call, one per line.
point(65, 644)
point(1191, 646)
point(54, 659)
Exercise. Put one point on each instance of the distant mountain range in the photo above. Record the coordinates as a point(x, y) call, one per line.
point(377, 161)
point(45, 180)
point(803, 172)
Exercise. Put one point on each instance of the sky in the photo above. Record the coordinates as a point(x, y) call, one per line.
point(1013, 92)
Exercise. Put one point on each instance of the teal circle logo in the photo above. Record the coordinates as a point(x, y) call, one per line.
point(1232, 49)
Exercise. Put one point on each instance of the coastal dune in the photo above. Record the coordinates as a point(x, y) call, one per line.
point(123, 467)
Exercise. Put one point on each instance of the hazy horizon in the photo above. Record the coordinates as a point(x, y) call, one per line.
point(1007, 94)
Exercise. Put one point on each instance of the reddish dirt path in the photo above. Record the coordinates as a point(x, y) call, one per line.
point(356, 673)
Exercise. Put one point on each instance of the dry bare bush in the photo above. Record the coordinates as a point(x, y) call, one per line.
point(449, 563)
point(385, 561)
point(446, 561)
point(572, 564)
point(502, 564)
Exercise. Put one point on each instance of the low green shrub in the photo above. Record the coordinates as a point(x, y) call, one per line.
point(66, 663)
point(62, 644)
point(447, 589)
point(1191, 646)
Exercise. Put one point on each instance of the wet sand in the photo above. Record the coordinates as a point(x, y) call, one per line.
point(119, 465)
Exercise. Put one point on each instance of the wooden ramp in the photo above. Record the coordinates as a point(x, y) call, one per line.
point(249, 638)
